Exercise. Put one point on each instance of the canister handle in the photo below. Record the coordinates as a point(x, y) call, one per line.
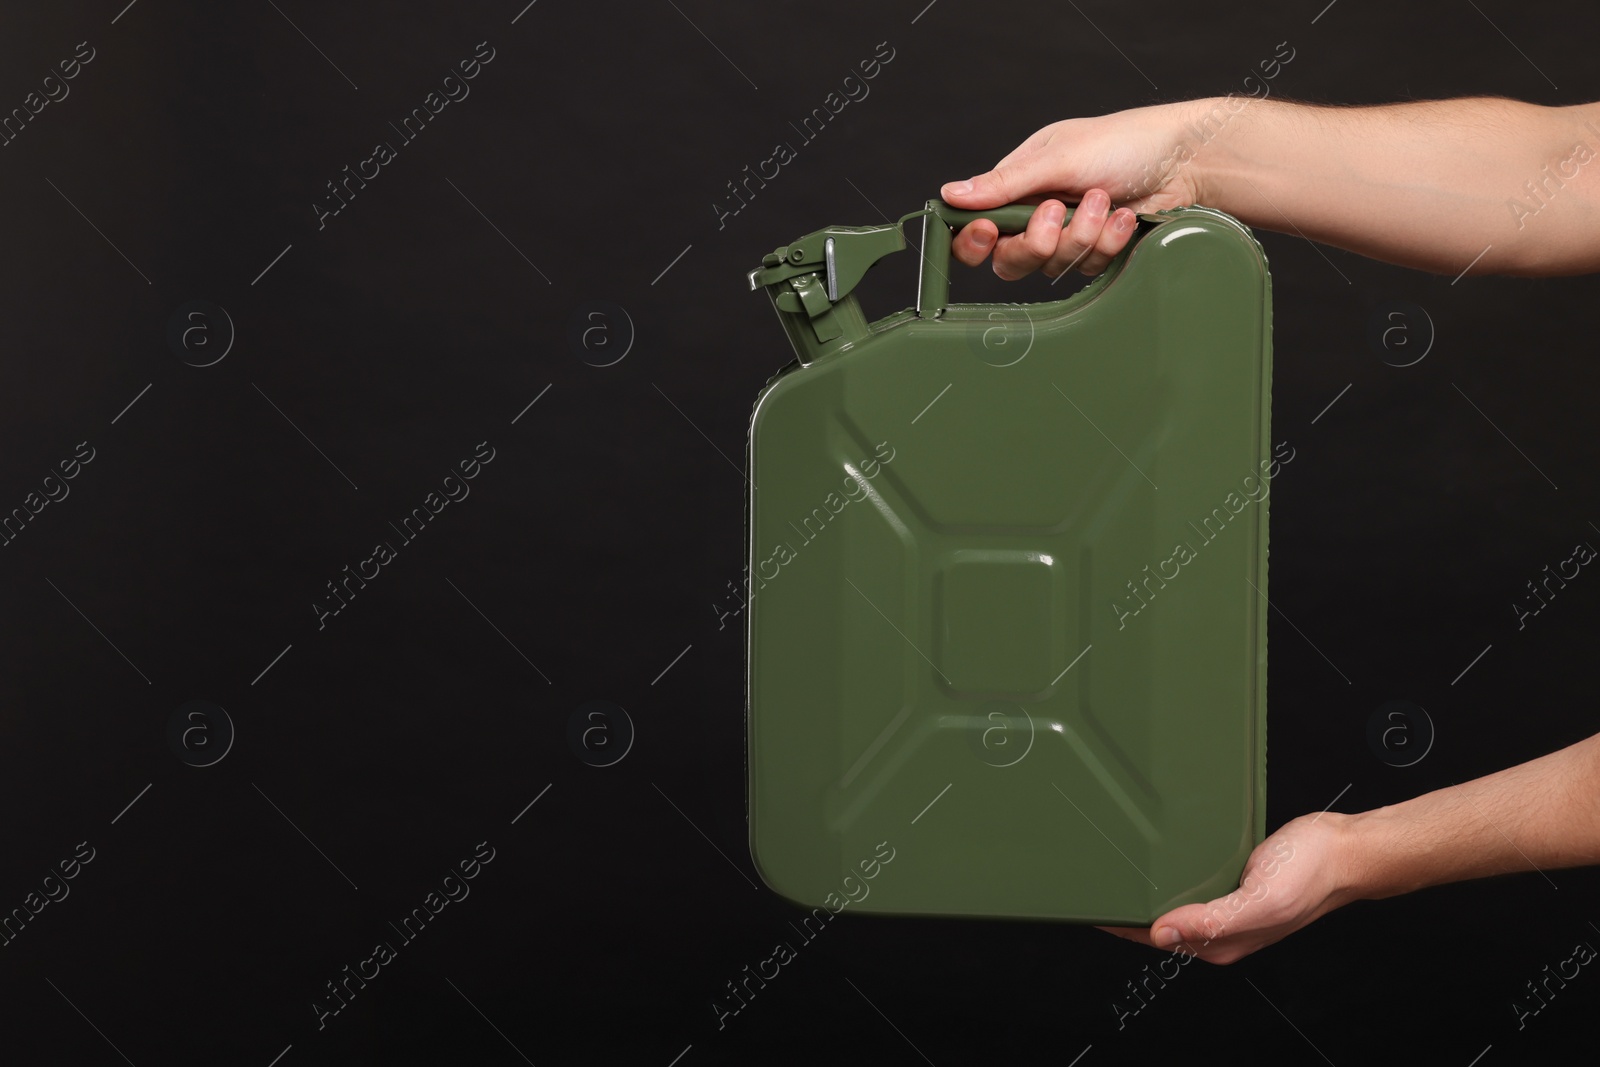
point(939, 220)
point(1013, 218)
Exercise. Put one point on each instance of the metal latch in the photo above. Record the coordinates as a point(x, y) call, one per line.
point(823, 267)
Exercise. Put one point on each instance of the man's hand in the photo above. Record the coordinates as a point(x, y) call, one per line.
point(1540, 815)
point(1294, 877)
point(1436, 185)
point(1135, 156)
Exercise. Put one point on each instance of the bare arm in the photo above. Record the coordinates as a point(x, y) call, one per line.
point(1540, 815)
point(1427, 184)
point(1543, 814)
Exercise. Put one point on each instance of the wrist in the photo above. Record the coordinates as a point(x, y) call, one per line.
point(1210, 127)
point(1363, 844)
point(1172, 134)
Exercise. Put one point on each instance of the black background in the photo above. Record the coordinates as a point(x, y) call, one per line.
point(427, 715)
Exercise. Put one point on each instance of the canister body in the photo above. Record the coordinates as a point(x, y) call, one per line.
point(1008, 577)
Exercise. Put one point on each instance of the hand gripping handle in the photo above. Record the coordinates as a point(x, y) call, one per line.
point(939, 221)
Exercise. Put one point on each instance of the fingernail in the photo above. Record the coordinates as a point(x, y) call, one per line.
point(1167, 936)
point(981, 238)
point(1098, 202)
point(1124, 221)
point(1056, 214)
point(958, 188)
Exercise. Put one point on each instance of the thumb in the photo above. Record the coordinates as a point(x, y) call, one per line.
point(1191, 924)
point(1005, 184)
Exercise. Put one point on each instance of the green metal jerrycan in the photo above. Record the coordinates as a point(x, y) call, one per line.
point(1008, 576)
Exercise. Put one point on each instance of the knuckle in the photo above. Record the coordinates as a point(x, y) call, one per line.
point(1086, 228)
point(1040, 242)
point(1004, 177)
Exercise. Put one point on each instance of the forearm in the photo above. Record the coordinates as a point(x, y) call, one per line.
point(1540, 815)
point(1427, 185)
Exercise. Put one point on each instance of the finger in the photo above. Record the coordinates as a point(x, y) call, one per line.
point(1165, 933)
point(1010, 181)
point(1207, 942)
point(1029, 250)
point(1078, 240)
point(973, 244)
point(1198, 925)
point(1113, 239)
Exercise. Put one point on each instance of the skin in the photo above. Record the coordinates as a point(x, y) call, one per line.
point(1425, 185)
point(1431, 185)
